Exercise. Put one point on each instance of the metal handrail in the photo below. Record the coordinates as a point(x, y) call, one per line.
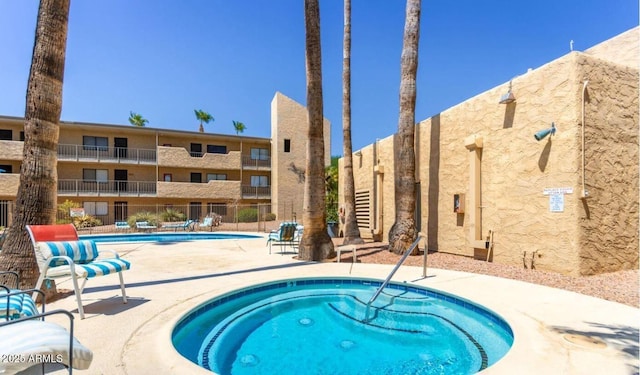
point(393, 271)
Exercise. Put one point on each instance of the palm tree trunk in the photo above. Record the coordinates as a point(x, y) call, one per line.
point(37, 194)
point(316, 244)
point(403, 231)
point(351, 231)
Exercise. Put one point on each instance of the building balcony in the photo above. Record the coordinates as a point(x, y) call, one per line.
point(214, 189)
point(123, 155)
point(111, 188)
point(255, 164)
point(9, 183)
point(258, 192)
point(11, 150)
point(179, 157)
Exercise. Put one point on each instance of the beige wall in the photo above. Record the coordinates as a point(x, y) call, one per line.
point(598, 234)
point(622, 49)
point(180, 157)
point(289, 121)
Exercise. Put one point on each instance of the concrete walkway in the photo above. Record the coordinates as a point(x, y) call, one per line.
point(556, 331)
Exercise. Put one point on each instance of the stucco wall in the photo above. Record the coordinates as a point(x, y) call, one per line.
point(289, 121)
point(609, 218)
point(518, 172)
point(622, 49)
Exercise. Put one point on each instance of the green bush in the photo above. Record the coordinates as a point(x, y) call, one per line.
point(248, 215)
point(269, 216)
point(86, 221)
point(171, 214)
point(150, 217)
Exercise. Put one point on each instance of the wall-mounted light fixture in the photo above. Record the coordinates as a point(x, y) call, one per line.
point(543, 133)
point(508, 97)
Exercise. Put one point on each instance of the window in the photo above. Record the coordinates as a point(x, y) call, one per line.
point(6, 168)
point(216, 176)
point(196, 150)
point(99, 175)
point(259, 180)
point(95, 143)
point(22, 136)
point(287, 145)
point(259, 154)
point(6, 134)
point(196, 177)
point(217, 208)
point(216, 149)
point(96, 208)
point(167, 177)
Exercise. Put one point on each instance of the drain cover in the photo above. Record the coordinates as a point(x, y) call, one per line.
point(585, 341)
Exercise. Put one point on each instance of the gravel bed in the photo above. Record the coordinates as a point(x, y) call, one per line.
point(621, 286)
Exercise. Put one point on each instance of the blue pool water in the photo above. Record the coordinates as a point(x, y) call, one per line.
point(318, 326)
point(165, 237)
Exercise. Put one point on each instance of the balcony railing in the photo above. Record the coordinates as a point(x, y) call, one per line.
point(263, 192)
point(107, 154)
point(106, 188)
point(250, 163)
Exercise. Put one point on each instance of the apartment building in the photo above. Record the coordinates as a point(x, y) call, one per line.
point(113, 171)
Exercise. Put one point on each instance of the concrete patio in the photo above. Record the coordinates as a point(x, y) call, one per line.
point(556, 331)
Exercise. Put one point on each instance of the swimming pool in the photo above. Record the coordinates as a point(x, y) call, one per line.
point(318, 326)
point(165, 237)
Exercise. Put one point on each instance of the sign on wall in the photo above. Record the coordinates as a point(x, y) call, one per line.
point(556, 197)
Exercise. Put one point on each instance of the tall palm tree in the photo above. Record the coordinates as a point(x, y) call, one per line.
point(403, 231)
point(203, 117)
point(351, 231)
point(316, 245)
point(136, 119)
point(239, 127)
point(37, 194)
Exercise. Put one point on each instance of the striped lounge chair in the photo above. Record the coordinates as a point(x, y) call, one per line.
point(16, 303)
point(60, 256)
point(31, 341)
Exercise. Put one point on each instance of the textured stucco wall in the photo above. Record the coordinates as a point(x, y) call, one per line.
point(180, 157)
point(622, 49)
point(11, 150)
point(213, 190)
point(9, 183)
point(289, 121)
point(609, 219)
point(516, 170)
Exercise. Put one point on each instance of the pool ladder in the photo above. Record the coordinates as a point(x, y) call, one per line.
point(393, 271)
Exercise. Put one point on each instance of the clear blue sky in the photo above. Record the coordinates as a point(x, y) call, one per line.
point(163, 59)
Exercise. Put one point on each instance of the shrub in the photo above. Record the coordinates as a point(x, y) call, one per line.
point(147, 216)
point(64, 211)
point(248, 215)
point(269, 216)
point(171, 214)
point(86, 221)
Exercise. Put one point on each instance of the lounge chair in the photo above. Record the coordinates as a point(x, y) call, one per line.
point(16, 303)
point(283, 237)
point(206, 222)
point(31, 341)
point(122, 225)
point(185, 226)
point(60, 254)
point(145, 226)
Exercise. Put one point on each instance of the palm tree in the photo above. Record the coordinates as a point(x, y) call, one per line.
point(316, 245)
point(203, 117)
point(240, 128)
point(37, 194)
point(351, 231)
point(403, 231)
point(136, 119)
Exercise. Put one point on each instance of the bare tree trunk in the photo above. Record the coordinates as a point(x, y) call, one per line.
point(351, 231)
point(36, 201)
point(403, 231)
point(316, 244)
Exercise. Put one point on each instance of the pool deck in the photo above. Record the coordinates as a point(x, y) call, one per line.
point(556, 331)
